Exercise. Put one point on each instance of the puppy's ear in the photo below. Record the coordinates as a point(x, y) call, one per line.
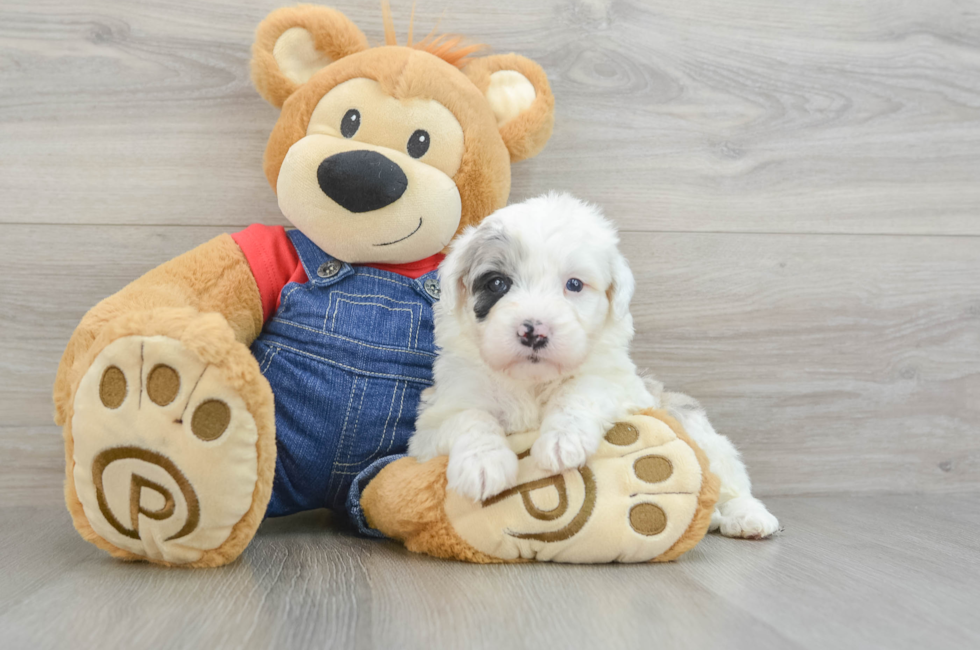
point(294, 43)
point(621, 290)
point(455, 268)
point(518, 91)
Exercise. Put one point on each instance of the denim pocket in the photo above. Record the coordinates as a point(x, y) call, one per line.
point(374, 318)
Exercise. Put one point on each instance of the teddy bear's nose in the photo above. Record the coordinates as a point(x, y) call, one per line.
point(361, 181)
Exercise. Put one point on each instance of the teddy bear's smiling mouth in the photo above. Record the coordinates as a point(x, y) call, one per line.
point(405, 237)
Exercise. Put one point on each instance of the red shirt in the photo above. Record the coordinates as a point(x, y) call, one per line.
point(275, 263)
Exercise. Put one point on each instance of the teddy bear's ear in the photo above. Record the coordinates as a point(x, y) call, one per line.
point(294, 43)
point(518, 91)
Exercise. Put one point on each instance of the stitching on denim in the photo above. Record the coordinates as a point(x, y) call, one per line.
point(302, 253)
point(357, 427)
point(343, 433)
point(272, 358)
point(384, 432)
point(270, 354)
point(282, 301)
point(413, 303)
point(383, 348)
point(411, 315)
point(378, 277)
point(416, 304)
point(350, 400)
point(306, 267)
point(360, 371)
point(336, 304)
point(266, 350)
point(398, 418)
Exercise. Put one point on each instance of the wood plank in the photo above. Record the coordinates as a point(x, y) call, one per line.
point(720, 135)
point(32, 465)
point(836, 363)
point(794, 116)
point(54, 274)
point(847, 572)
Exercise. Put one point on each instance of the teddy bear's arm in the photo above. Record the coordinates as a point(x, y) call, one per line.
point(214, 277)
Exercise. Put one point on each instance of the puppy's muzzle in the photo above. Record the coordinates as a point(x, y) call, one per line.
point(361, 181)
point(533, 335)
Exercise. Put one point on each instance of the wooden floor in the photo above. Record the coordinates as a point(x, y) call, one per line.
point(848, 572)
point(798, 182)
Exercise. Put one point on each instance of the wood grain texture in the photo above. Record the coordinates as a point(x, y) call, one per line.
point(759, 116)
point(848, 572)
point(32, 465)
point(798, 185)
point(836, 363)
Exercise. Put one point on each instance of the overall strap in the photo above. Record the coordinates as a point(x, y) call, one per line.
point(320, 267)
point(323, 269)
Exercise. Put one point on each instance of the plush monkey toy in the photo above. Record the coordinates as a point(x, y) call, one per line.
point(270, 371)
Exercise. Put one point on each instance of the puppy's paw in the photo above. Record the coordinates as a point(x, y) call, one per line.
point(744, 517)
point(569, 447)
point(481, 467)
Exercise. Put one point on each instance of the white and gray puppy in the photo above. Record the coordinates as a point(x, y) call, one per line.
point(534, 329)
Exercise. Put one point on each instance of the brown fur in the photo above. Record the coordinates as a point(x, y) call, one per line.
point(333, 34)
point(526, 134)
point(426, 70)
point(210, 338)
point(406, 501)
point(214, 277)
point(483, 178)
point(175, 299)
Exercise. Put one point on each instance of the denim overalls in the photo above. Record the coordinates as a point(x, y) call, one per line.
point(347, 354)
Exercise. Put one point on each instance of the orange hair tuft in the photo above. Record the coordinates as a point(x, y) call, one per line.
point(451, 48)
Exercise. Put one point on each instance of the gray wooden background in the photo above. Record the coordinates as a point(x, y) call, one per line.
point(799, 197)
point(797, 181)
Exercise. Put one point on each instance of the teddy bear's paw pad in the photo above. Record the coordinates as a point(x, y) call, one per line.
point(165, 455)
point(631, 502)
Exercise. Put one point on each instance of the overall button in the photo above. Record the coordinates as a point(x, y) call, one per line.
point(431, 287)
point(329, 269)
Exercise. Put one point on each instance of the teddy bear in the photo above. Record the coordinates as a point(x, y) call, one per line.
point(269, 372)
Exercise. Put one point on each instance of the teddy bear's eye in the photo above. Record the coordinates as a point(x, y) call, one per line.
point(418, 144)
point(351, 123)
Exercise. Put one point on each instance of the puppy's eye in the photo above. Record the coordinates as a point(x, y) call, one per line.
point(418, 144)
point(351, 123)
point(575, 285)
point(498, 285)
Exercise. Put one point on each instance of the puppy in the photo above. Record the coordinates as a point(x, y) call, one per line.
point(534, 330)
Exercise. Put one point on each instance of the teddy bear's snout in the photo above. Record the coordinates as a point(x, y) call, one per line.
point(361, 181)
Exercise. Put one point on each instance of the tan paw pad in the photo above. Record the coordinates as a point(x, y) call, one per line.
point(631, 502)
point(165, 458)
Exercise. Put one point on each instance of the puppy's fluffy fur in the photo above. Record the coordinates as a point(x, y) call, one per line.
point(534, 329)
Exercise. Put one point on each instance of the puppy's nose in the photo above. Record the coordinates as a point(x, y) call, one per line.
point(533, 334)
point(361, 181)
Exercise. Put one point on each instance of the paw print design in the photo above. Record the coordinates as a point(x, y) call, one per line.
point(165, 451)
point(633, 501)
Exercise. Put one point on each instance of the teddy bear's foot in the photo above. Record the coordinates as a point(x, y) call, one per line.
point(646, 495)
point(169, 446)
